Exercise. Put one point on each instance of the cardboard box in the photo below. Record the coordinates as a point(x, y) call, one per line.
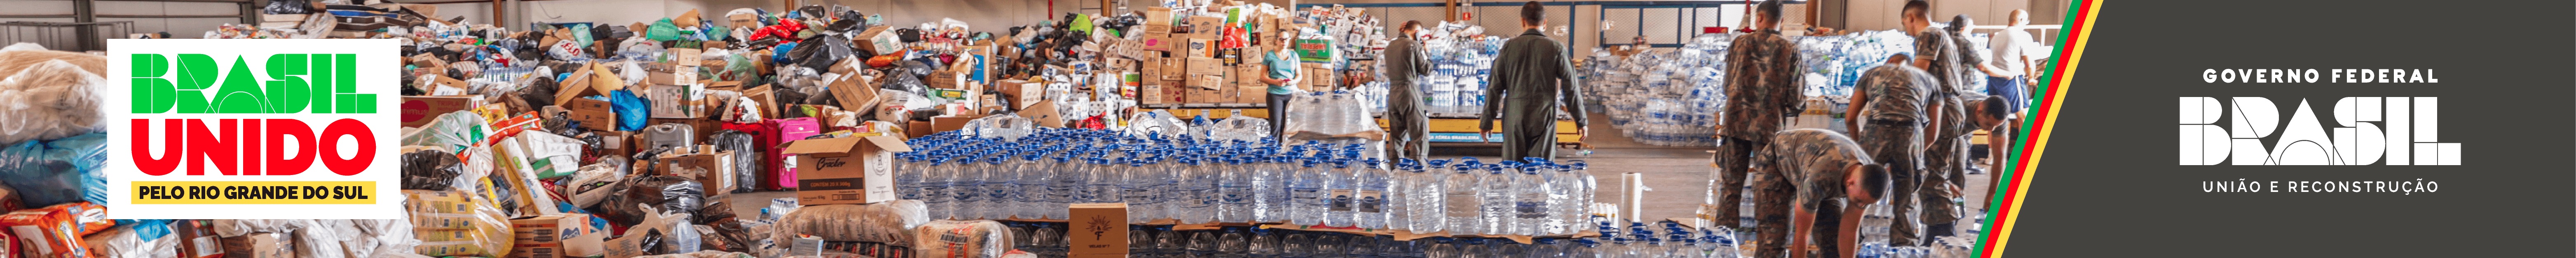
point(677, 75)
point(550, 236)
point(686, 56)
point(259, 245)
point(593, 114)
point(1206, 27)
point(1153, 92)
point(1097, 228)
point(1165, 42)
point(419, 111)
point(743, 20)
point(916, 129)
point(1208, 82)
point(1158, 15)
point(1021, 93)
point(850, 170)
point(1204, 66)
point(717, 167)
point(1199, 48)
point(440, 85)
point(951, 122)
point(1252, 94)
point(855, 92)
point(879, 40)
point(1044, 114)
point(197, 239)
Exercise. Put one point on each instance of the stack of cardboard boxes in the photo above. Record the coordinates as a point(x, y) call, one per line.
point(1189, 58)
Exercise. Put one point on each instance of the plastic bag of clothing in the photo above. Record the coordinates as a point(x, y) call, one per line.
point(239, 227)
point(961, 239)
point(319, 242)
point(662, 30)
point(631, 110)
point(50, 99)
point(669, 194)
point(746, 151)
point(447, 223)
point(593, 183)
point(46, 173)
point(391, 236)
point(430, 169)
point(884, 222)
point(540, 91)
point(144, 240)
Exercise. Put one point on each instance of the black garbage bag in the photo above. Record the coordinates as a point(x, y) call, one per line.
point(670, 194)
point(430, 170)
point(728, 234)
point(539, 92)
point(745, 150)
point(820, 51)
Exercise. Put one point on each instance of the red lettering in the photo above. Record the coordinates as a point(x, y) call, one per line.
point(207, 146)
point(278, 131)
point(347, 128)
point(250, 148)
point(143, 158)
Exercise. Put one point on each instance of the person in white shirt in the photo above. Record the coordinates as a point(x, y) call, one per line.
point(2012, 61)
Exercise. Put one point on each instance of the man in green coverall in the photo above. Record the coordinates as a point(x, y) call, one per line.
point(1530, 79)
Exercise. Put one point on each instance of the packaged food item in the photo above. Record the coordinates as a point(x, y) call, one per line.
point(259, 245)
point(453, 223)
point(885, 222)
point(55, 231)
point(961, 239)
point(197, 239)
point(143, 240)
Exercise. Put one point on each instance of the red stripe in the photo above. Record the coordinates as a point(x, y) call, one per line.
point(2040, 122)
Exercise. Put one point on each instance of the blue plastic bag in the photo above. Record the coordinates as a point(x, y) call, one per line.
point(56, 171)
point(631, 110)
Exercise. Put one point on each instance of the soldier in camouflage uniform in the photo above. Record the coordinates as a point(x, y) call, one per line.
point(1946, 159)
point(1887, 118)
point(1762, 89)
point(1937, 54)
point(1812, 187)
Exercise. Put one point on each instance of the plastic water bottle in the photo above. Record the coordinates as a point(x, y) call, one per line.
point(1584, 248)
point(967, 190)
point(1035, 174)
point(1529, 200)
point(1719, 242)
point(1341, 188)
point(934, 189)
point(1567, 194)
point(1138, 190)
point(1234, 243)
point(1069, 176)
point(1101, 181)
point(1234, 191)
point(1198, 183)
point(1425, 210)
point(908, 176)
point(1306, 191)
point(1370, 205)
point(999, 188)
point(1498, 200)
point(1465, 203)
point(1269, 189)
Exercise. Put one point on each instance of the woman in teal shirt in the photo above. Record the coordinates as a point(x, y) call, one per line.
point(1282, 80)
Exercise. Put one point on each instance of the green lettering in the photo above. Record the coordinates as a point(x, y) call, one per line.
point(288, 91)
point(240, 93)
point(151, 91)
point(347, 81)
point(326, 76)
point(196, 73)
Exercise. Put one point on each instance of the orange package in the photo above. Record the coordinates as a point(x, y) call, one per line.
point(55, 232)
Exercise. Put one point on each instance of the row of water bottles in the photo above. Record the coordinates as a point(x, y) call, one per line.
point(1664, 240)
point(1238, 181)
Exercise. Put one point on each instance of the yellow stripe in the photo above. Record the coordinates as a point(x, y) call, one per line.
point(2039, 145)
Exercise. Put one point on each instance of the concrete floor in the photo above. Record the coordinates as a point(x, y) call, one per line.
point(1676, 178)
